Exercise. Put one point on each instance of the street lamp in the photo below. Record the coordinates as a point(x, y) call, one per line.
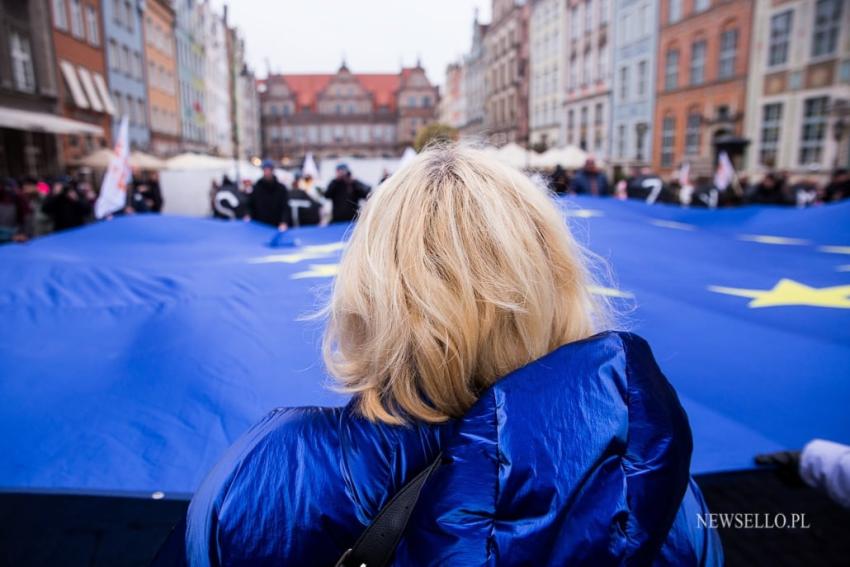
point(640, 128)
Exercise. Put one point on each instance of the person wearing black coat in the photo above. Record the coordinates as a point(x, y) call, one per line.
point(268, 203)
point(590, 181)
point(345, 193)
point(66, 207)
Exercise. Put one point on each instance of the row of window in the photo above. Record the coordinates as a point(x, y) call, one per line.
point(587, 10)
point(502, 110)
point(81, 21)
point(502, 76)
point(635, 24)
point(622, 138)
point(625, 90)
point(825, 32)
point(124, 14)
point(161, 78)
point(131, 106)
point(125, 60)
point(675, 9)
point(329, 133)
point(158, 37)
point(578, 136)
point(697, 75)
point(164, 121)
point(812, 134)
point(583, 71)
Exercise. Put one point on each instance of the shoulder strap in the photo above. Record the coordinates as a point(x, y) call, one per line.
point(376, 545)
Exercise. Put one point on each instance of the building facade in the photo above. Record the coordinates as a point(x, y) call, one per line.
point(125, 55)
point(244, 100)
point(634, 46)
point(798, 96)
point(546, 88)
point(506, 75)
point(701, 83)
point(217, 86)
point(27, 82)
point(331, 115)
point(163, 99)
point(83, 94)
point(475, 68)
point(453, 99)
point(587, 100)
point(191, 67)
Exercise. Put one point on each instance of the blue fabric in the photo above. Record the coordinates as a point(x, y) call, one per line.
point(134, 352)
point(579, 458)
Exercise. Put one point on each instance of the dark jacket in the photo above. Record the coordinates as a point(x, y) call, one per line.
point(67, 210)
point(579, 458)
point(305, 210)
point(583, 182)
point(345, 195)
point(268, 202)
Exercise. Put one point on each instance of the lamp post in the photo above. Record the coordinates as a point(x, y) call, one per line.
point(640, 128)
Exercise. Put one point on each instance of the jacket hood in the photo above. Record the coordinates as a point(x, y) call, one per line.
point(580, 457)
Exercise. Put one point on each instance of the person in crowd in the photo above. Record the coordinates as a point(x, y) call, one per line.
point(268, 202)
point(463, 325)
point(838, 187)
point(14, 212)
point(345, 194)
point(644, 185)
point(306, 210)
point(144, 195)
point(67, 206)
point(37, 222)
point(228, 201)
point(560, 180)
point(154, 191)
point(590, 181)
point(769, 191)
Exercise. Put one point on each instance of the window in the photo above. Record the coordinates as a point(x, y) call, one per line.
point(597, 114)
point(698, 62)
point(118, 12)
point(586, 71)
point(814, 129)
point(60, 16)
point(77, 19)
point(827, 26)
point(92, 25)
point(728, 51)
point(588, 15)
point(603, 62)
point(22, 69)
point(573, 72)
point(570, 122)
point(125, 60)
point(701, 5)
point(574, 22)
point(603, 11)
point(780, 36)
point(671, 70)
point(130, 16)
point(674, 13)
point(692, 133)
point(668, 137)
point(641, 79)
point(624, 83)
point(770, 125)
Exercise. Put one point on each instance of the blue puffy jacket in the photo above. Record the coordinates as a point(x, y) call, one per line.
point(578, 458)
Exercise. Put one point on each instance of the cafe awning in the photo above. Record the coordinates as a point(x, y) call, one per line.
point(42, 122)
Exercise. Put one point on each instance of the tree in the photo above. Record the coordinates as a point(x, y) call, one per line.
point(434, 133)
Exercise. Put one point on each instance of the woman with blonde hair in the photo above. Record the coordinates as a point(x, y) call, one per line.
point(493, 419)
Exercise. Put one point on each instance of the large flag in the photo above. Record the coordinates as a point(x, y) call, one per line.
point(113, 191)
point(309, 167)
point(725, 174)
point(134, 352)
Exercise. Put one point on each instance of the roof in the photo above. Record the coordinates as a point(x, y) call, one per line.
point(307, 86)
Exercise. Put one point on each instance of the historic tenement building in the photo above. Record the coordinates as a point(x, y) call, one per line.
point(345, 113)
point(798, 93)
point(506, 75)
point(701, 83)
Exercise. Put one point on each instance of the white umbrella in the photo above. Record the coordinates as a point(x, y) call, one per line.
point(191, 160)
point(513, 155)
point(569, 157)
point(142, 160)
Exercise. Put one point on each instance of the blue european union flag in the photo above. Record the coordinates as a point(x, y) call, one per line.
point(133, 352)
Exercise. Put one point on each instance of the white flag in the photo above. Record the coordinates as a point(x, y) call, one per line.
point(309, 167)
point(685, 174)
point(725, 172)
point(113, 191)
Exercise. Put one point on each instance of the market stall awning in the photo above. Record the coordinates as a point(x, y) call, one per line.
point(43, 122)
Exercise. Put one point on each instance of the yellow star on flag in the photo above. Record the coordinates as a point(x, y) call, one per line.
point(788, 292)
point(318, 271)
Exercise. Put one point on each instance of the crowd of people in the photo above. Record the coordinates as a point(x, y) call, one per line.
point(775, 188)
point(31, 207)
point(304, 203)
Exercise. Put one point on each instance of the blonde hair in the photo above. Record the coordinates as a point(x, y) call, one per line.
point(459, 271)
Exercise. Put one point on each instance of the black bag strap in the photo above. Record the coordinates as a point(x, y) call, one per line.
point(376, 545)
